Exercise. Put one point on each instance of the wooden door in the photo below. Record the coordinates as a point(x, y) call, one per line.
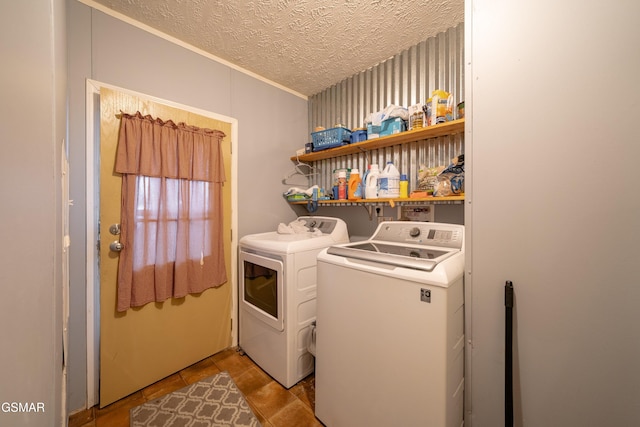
point(143, 345)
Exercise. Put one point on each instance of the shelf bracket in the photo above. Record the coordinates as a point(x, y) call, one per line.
point(369, 210)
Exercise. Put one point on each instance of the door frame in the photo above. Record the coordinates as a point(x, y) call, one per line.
point(92, 179)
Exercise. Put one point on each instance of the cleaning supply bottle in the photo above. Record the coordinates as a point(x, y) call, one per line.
point(389, 187)
point(404, 186)
point(354, 192)
point(342, 185)
point(363, 182)
point(371, 183)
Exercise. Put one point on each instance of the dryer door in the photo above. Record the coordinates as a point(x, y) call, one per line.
point(261, 288)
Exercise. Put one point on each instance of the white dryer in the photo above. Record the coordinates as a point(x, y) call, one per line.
point(277, 301)
point(390, 328)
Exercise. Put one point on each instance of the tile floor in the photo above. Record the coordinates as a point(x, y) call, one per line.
point(274, 405)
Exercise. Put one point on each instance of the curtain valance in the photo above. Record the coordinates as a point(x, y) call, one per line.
point(156, 148)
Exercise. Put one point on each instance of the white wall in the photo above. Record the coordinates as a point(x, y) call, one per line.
point(553, 139)
point(272, 124)
point(32, 131)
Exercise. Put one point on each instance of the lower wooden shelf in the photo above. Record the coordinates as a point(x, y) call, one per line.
point(391, 202)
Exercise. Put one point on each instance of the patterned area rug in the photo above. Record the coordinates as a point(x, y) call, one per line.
point(214, 401)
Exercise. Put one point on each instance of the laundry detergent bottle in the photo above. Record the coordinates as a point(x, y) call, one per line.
point(371, 182)
point(389, 187)
point(354, 191)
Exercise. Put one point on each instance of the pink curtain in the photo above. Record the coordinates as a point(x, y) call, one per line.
point(171, 225)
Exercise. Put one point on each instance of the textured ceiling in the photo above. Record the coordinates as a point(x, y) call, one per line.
point(304, 45)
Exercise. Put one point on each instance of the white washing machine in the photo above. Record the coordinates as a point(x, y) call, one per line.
point(277, 301)
point(390, 328)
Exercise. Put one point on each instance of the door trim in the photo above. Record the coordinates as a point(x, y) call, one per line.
point(92, 211)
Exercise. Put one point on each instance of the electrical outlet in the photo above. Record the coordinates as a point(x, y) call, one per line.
point(384, 218)
point(418, 213)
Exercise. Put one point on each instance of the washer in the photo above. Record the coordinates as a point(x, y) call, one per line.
point(277, 301)
point(390, 328)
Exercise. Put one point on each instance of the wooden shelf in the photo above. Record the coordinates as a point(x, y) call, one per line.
point(392, 202)
point(443, 129)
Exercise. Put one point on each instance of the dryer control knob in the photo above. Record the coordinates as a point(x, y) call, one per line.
point(414, 232)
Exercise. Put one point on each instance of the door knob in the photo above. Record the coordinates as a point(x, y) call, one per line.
point(116, 246)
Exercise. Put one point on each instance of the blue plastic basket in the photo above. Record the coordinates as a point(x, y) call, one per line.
point(330, 138)
point(358, 135)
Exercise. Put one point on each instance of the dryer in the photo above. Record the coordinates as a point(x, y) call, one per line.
point(277, 295)
point(390, 328)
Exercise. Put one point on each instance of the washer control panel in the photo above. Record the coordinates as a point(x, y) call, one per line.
point(324, 224)
point(421, 233)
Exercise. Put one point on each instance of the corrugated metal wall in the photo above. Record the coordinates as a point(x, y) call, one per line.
point(405, 79)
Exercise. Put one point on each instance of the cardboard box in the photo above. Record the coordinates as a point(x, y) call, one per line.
point(387, 127)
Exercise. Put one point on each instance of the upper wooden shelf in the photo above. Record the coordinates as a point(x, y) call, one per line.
point(449, 128)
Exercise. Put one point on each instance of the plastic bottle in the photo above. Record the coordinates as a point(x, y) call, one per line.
point(353, 192)
point(342, 185)
point(404, 186)
point(371, 183)
point(363, 182)
point(389, 187)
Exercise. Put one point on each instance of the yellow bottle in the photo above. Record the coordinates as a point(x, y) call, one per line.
point(404, 187)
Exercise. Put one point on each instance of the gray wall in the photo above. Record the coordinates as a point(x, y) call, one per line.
point(32, 133)
point(553, 206)
point(272, 124)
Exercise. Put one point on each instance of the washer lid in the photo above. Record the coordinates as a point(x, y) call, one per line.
point(415, 257)
point(410, 244)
